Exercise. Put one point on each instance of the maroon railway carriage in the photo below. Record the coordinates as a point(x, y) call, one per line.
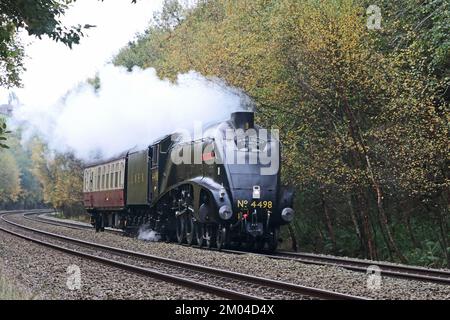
point(104, 188)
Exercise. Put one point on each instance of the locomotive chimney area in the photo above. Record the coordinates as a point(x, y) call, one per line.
point(243, 120)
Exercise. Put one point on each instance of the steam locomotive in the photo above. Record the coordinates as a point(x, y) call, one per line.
point(216, 191)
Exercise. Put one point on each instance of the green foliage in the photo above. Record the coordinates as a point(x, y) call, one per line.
point(9, 177)
point(3, 133)
point(171, 15)
point(31, 192)
point(30, 195)
point(429, 255)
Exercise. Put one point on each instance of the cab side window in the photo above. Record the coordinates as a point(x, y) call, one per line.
point(155, 155)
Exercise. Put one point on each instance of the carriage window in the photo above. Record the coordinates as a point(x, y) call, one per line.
point(112, 175)
point(108, 170)
point(103, 178)
point(97, 187)
point(119, 182)
point(121, 175)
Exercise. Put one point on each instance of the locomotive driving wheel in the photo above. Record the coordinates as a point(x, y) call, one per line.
point(210, 236)
point(222, 237)
point(200, 234)
point(190, 230)
point(181, 227)
point(183, 215)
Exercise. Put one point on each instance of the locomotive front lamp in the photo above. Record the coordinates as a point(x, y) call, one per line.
point(256, 192)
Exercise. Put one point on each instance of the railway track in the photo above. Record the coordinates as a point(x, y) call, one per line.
point(386, 269)
point(69, 224)
point(133, 262)
point(357, 265)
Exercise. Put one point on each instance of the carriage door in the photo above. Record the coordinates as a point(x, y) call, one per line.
point(154, 170)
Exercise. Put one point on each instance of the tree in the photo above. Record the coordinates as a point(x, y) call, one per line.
point(9, 178)
point(172, 15)
point(3, 133)
point(30, 196)
point(60, 176)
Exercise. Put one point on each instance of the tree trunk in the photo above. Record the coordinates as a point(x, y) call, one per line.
point(407, 216)
point(319, 243)
point(443, 228)
point(293, 238)
point(384, 222)
point(360, 146)
point(371, 252)
point(356, 224)
point(329, 224)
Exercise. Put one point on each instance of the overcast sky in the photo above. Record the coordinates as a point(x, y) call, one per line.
point(53, 69)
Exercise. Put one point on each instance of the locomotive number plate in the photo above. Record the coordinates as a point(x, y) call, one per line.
point(255, 204)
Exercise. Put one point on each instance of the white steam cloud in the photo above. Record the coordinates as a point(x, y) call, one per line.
point(131, 109)
point(148, 234)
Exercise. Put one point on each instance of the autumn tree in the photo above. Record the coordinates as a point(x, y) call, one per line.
point(9, 178)
point(60, 176)
point(30, 196)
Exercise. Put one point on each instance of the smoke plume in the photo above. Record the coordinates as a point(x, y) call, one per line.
point(148, 234)
point(130, 109)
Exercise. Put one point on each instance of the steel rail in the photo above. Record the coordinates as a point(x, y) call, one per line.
point(66, 224)
point(398, 271)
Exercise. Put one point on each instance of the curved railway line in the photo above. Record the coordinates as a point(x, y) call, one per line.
point(133, 261)
point(67, 224)
point(357, 265)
